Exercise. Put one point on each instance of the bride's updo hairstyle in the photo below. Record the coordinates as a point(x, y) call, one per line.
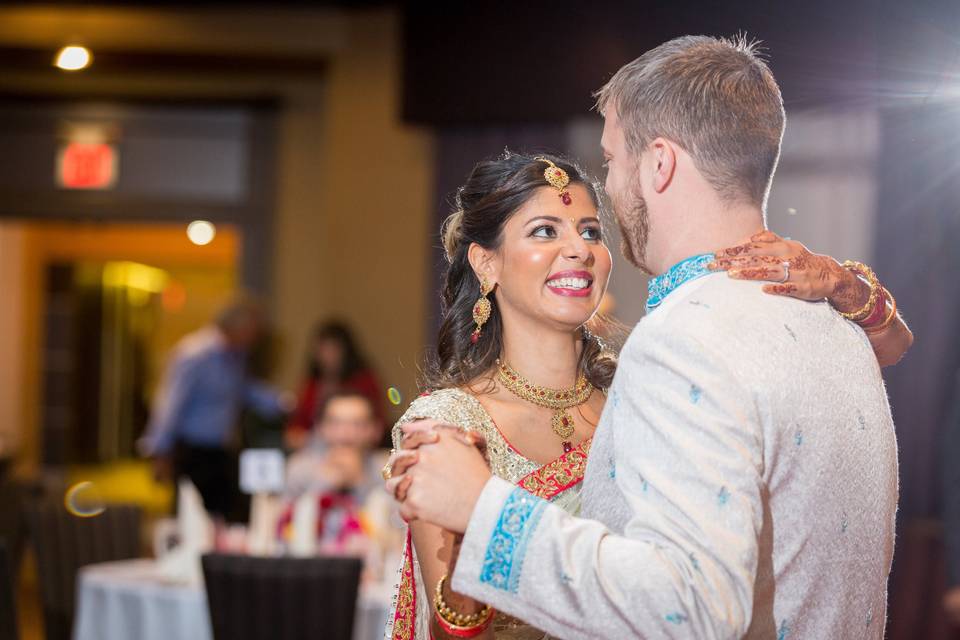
point(494, 192)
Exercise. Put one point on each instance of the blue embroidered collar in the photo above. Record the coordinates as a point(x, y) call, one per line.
point(663, 285)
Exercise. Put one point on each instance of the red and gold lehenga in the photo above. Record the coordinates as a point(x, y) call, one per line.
point(558, 481)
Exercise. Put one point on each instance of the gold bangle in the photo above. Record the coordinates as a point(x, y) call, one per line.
point(460, 621)
point(891, 317)
point(864, 312)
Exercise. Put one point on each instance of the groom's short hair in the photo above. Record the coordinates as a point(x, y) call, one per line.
point(716, 98)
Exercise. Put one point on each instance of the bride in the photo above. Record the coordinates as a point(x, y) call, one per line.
point(518, 365)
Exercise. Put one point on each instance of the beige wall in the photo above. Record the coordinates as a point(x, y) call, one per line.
point(353, 208)
point(354, 186)
point(12, 330)
point(375, 200)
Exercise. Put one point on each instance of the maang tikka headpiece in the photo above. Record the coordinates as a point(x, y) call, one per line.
point(557, 178)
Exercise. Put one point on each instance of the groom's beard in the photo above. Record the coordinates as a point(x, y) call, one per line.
point(634, 222)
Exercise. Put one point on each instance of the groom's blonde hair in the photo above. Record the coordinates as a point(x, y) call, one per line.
point(716, 98)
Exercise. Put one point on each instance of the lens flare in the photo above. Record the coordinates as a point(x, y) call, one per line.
point(82, 500)
point(393, 395)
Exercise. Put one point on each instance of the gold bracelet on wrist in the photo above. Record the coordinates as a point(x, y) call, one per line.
point(858, 268)
point(462, 621)
point(891, 316)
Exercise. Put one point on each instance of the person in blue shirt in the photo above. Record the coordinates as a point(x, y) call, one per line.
point(192, 430)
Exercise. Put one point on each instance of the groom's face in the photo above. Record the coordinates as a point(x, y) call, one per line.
point(625, 191)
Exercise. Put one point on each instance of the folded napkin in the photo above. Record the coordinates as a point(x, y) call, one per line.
point(196, 530)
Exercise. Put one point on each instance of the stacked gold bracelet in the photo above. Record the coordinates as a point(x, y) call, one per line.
point(891, 315)
point(864, 312)
point(460, 621)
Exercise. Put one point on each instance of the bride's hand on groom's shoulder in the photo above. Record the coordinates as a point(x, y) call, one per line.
point(792, 270)
point(438, 474)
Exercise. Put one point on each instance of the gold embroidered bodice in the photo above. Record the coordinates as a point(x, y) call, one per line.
point(462, 409)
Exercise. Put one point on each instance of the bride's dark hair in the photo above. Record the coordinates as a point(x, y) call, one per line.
point(495, 190)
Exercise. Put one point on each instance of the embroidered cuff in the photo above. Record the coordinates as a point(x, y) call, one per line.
point(496, 539)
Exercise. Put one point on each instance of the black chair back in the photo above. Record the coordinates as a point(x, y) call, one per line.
point(8, 602)
point(64, 543)
point(281, 598)
point(14, 493)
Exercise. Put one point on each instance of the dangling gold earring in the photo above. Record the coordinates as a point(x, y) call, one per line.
point(481, 309)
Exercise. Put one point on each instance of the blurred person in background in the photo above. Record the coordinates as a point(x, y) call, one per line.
point(340, 454)
point(340, 466)
point(334, 362)
point(193, 425)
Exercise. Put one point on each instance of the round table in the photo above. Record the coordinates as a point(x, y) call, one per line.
point(132, 599)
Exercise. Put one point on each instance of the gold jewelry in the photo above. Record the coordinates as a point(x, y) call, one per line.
point(460, 621)
point(858, 268)
point(387, 471)
point(556, 178)
point(890, 317)
point(481, 310)
point(557, 399)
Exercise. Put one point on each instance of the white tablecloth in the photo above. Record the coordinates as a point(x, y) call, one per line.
point(130, 600)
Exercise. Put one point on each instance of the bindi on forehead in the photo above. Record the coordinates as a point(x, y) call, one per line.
point(546, 204)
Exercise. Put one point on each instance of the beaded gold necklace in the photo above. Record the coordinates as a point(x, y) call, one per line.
point(557, 399)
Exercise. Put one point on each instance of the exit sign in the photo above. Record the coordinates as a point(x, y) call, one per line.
point(87, 165)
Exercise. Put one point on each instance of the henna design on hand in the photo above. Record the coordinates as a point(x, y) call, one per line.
point(801, 262)
point(782, 289)
point(747, 261)
point(849, 293)
point(735, 251)
point(757, 273)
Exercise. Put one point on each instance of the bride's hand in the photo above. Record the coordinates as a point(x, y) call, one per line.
point(444, 482)
point(793, 271)
point(416, 434)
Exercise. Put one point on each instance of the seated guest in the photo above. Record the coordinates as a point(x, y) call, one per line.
point(341, 467)
point(334, 363)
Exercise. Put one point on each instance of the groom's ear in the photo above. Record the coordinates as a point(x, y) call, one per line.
point(483, 261)
point(663, 163)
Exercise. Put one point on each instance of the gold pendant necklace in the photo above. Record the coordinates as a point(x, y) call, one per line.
point(557, 399)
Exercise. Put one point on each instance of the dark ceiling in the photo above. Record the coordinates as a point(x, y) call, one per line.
point(489, 61)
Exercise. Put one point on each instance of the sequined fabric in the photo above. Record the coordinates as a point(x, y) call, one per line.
point(462, 409)
point(663, 285)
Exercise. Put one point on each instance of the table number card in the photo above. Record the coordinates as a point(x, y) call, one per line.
point(261, 471)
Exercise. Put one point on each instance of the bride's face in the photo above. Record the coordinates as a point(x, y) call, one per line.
point(552, 265)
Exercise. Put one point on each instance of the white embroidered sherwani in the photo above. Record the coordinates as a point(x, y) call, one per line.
point(742, 483)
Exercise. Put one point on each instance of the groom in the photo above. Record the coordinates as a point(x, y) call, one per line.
point(743, 479)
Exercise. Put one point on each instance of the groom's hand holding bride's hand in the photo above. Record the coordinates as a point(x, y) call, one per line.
point(438, 474)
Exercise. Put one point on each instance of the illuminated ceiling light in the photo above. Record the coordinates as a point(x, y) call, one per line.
point(73, 58)
point(201, 232)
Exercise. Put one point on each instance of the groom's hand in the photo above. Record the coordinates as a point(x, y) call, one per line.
point(438, 475)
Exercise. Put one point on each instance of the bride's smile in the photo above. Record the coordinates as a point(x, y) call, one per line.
point(571, 283)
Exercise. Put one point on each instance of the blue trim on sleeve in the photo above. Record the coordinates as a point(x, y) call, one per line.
point(507, 548)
